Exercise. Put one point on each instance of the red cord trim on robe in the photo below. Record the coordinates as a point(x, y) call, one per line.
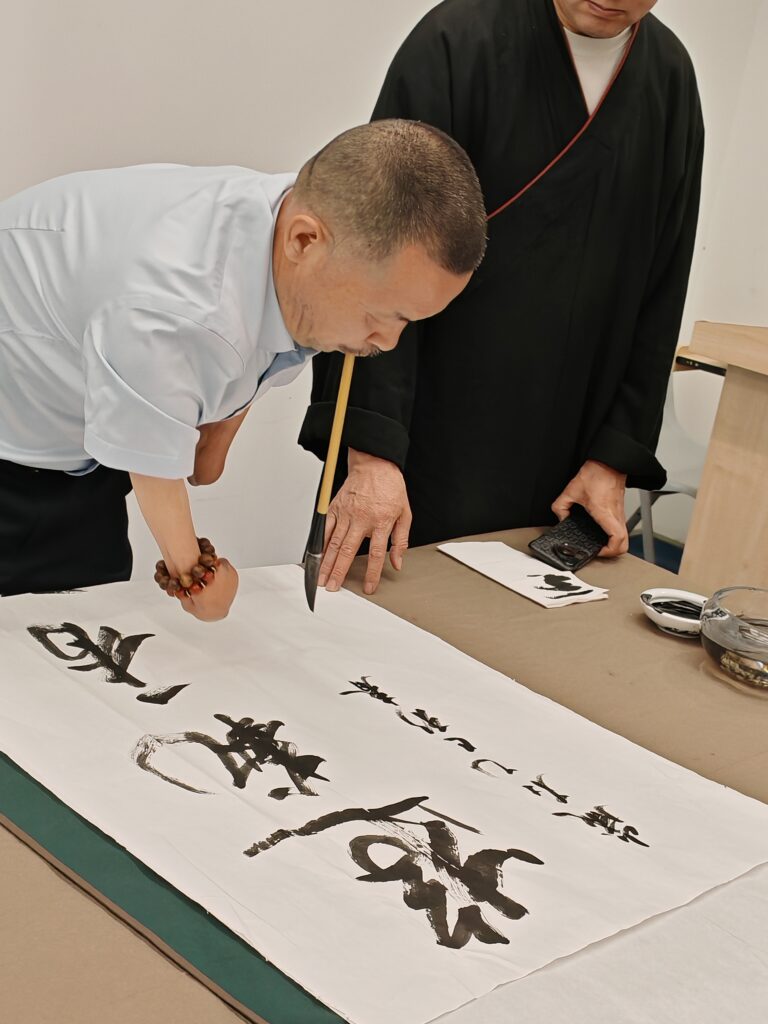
point(578, 134)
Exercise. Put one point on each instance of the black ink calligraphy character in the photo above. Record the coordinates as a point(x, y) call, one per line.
point(363, 685)
point(472, 882)
point(464, 744)
point(601, 818)
point(378, 815)
point(629, 835)
point(111, 652)
point(429, 723)
point(539, 781)
point(248, 746)
point(485, 760)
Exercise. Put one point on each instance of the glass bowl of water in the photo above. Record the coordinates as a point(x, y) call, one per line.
point(734, 633)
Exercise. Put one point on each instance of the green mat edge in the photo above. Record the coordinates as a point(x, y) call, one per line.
point(185, 926)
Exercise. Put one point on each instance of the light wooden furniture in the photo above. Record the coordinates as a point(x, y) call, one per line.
point(728, 540)
point(685, 359)
point(680, 454)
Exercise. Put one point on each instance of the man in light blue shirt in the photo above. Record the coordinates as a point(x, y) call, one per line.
point(136, 304)
point(143, 309)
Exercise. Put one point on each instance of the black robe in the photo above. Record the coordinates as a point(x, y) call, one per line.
point(560, 348)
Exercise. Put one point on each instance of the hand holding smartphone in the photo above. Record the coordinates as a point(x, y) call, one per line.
point(572, 543)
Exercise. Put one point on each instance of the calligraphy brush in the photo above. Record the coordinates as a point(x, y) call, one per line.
point(313, 555)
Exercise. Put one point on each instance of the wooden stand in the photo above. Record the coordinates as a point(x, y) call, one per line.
point(728, 540)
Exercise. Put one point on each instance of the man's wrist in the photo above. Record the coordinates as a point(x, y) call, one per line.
point(604, 466)
point(195, 578)
point(358, 458)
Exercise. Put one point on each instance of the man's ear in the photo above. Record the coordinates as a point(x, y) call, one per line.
point(305, 236)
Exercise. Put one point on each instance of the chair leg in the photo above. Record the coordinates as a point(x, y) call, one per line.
point(646, 506)
point(634, 519)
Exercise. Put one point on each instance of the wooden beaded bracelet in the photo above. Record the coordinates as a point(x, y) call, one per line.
point(193, 582)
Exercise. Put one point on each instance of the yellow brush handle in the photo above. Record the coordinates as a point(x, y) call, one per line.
point(335, 442)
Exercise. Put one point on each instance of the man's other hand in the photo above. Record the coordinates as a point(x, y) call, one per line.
point(373, 502)
point(600, 490)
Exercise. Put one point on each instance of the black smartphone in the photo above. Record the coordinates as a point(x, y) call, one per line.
point(572, 543)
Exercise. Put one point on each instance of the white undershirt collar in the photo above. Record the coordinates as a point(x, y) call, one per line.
point(596, 61)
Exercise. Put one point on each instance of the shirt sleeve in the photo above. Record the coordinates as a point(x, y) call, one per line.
point(151, 376)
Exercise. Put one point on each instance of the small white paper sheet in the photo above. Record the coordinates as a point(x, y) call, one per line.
point(529, 577)
point(397, 827)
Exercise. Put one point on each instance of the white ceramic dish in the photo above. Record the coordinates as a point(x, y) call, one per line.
point(668, 622)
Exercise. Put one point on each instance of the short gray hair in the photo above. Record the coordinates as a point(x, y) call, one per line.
point(394, 183)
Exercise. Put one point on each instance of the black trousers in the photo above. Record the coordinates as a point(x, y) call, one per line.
point(60, 532)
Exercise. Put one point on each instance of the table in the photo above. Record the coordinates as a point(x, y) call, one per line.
point(64, 958)
point(728, 538)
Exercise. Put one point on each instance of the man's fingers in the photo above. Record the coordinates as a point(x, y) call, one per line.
point(600, 490)
point(562, 506)
point(377, 554)
point(368, 504)
point(330, 526)
point(618, 544)
point(344, 555)
point(400, 539)
point(618, 540)
point(334, 538)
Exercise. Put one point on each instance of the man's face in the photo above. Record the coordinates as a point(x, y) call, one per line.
point(601, 19)
point(342, 303)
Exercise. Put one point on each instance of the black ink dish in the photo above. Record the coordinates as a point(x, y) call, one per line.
point(677, 612)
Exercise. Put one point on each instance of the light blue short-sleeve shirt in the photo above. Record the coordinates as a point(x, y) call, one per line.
point(135, 305)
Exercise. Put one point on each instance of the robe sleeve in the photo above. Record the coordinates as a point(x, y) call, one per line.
point(628, 437)
point(417, 87)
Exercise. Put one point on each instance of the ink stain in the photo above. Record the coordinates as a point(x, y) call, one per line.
point(556, 582)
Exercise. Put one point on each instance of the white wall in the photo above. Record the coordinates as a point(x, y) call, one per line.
point(264, 83)
point(731, 280)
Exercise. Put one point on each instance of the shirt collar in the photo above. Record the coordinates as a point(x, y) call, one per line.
point(591, 46)
point(273, 334)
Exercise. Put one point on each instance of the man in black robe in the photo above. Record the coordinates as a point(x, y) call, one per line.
point(543, 384)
